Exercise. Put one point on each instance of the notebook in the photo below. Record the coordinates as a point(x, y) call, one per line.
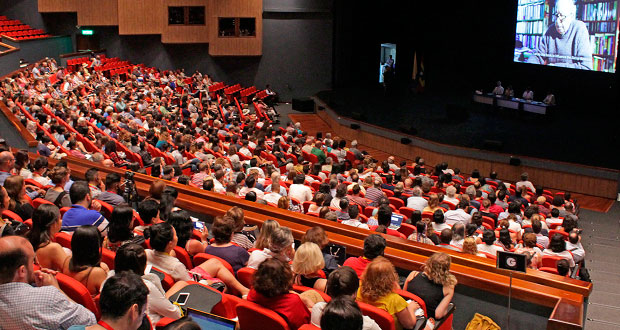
point(210, 321)
point(396, 220)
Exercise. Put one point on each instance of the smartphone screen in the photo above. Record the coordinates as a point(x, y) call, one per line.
point(182, 298)
point(199, 225)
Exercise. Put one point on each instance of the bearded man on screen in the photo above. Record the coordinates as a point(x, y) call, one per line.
point(566, 42)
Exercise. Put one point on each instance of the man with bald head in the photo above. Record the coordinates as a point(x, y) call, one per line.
point(7, 162)
point(566, 42)
point(32, 299)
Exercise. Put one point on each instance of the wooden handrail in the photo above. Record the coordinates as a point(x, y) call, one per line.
point(9, 50)
point(30, 140)
point(565, 296)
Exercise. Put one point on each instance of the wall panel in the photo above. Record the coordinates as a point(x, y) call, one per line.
point(57, 6)
point(140, 16)
point(97, 13)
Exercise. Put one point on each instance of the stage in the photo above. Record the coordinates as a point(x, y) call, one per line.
point(557, 135)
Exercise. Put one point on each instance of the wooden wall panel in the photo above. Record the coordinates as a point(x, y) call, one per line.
point(246, 46)
point(57, 6)
point(179, 34)
point(140, 16)
point(97, 13)
point(548, 178)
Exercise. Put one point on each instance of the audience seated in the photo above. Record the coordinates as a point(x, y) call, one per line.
point(343, 282)
point(222, 247)
point(272, 282)
point(32, 298)
point(318, 236)
point(85, 263)
point(163, 239)
point(266, 230)
point(84, 210)
point(119, 231)
point(123, 303)
point(343, 312)
point(378, 286)
point(434, 285)
point(280, 246)
point(307, 263)
point(46, 223)
point(60, 177)
point(132, 258)
point(374, 246)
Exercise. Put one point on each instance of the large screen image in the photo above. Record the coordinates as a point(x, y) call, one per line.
point(578, 34)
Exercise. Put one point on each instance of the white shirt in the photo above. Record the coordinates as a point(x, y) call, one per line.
point(577, 250)
point(355, 223)
point(417, 203)
point(300, 192)
point(438, 227)
point(158, 306)
point(168, 264)
point(490, 249)
point(218, 187)
point(527, 184)
point(317, 312)
point(458, 215)
point(245, 190)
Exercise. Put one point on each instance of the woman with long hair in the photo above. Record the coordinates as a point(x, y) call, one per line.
point(85, 264)
point(184, 227)
point(420, 234)
point(46, 222)
point(16, 189)
point(119, 231)
point(262, 241)
point(379, 283)
point(435, 285)
point(307, 263)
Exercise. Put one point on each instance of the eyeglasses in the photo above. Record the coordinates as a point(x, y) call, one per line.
point(560, 17)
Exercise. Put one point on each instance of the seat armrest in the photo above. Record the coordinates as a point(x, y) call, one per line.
point(451, 309)
point(420, 323)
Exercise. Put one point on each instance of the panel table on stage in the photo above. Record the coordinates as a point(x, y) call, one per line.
point(514, 103)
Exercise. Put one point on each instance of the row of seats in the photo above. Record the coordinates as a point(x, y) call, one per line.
point(17, 30)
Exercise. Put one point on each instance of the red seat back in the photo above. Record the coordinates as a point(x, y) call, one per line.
point(254, 317)
point(383, 318)
point(77, 292)
point(551, 261)
point(64, 239)
point(245, 275)
point(406, 229)
point(108, 256)
point(8, 214)
point(183, 257)
point(397, 202)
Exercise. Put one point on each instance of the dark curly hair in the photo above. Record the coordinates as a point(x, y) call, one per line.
point(273, 278)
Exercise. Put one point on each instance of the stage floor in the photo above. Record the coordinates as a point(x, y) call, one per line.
point(566, 134)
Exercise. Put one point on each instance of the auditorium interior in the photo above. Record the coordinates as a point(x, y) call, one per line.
point(305, 71)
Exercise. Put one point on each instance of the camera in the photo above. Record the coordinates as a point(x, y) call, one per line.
point(130, 194)
point(129, 175)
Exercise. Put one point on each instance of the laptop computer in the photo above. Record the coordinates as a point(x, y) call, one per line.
point(210, 321)
point(396, 221)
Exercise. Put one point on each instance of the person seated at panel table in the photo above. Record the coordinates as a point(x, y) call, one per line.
point(566, 42)
point(528, 94)
point(498, 90)
point(549, 99)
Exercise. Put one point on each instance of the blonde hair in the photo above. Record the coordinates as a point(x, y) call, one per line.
point(433, 201)
point(470, 246)
point(437, 268)
point(236, 213)
point(308, 259)
point(262, 241)
point(378, 279)
point(283, 203)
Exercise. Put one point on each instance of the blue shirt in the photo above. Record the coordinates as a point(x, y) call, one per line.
point(79, 216)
